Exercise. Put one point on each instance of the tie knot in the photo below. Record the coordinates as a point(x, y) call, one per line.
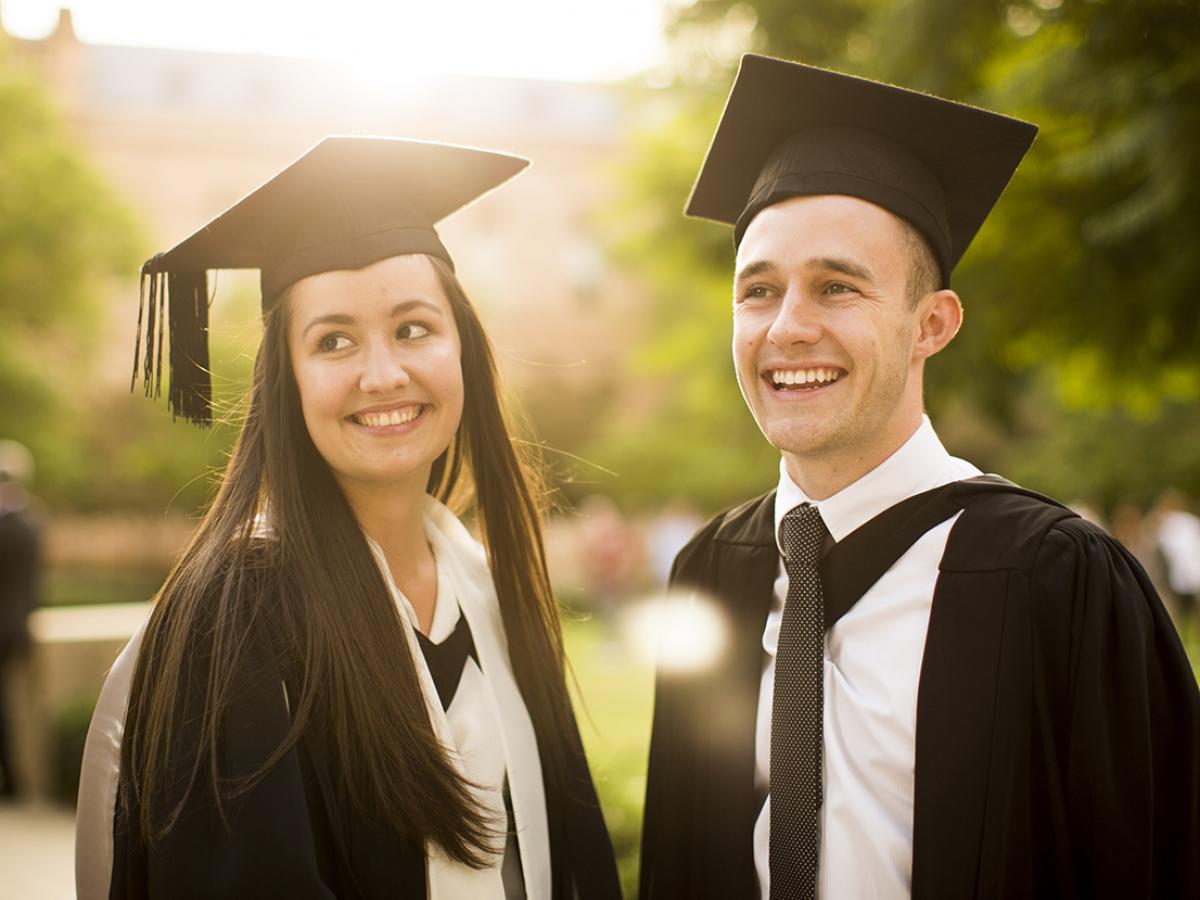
point(802, 534)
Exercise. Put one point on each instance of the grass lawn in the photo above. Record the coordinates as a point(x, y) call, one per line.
point(614, 717)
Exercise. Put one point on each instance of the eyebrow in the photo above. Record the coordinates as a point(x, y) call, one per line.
point(398, 310)
point(758, 267)
point(822, 263)
point(838, 264)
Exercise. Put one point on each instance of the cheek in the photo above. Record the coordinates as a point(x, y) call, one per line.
point(447, 375)
point(322, 395)
point(746, 338)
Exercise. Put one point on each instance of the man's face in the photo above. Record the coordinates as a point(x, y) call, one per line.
point(823, 332)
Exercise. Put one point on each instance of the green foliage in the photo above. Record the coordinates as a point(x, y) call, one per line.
point(683, 431)
point(69, 734)
point(1079, 290)
point(68, 245)
point(128, 436)
point(613, 705)
point(63, 238)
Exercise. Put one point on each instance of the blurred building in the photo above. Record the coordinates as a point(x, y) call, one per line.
point(184, 134)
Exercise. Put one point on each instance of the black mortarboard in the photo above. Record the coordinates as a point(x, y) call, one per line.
point(790, 130)
point(346, 203)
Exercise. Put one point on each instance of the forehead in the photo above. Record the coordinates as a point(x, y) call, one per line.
point(824, 226)
point(396, 278)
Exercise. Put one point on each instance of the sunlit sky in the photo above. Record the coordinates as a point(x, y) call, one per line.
point(553, 39)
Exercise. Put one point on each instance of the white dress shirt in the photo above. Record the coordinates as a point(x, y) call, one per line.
point(872, 665)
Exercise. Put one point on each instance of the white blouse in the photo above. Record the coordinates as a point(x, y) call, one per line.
point(487, 730)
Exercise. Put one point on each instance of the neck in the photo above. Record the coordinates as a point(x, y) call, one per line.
point(393, 516)
point(821, 475)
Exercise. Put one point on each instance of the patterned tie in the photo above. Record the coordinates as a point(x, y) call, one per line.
point(796, 736)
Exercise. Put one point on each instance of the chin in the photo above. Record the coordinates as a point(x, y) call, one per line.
point(799, 438)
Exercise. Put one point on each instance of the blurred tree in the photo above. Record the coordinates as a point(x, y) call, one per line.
point(1078, 291)
point(67, 245)
point(63, 239)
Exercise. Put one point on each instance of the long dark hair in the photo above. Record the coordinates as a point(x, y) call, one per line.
point(314, 586)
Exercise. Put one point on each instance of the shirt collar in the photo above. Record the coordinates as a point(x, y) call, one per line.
point(918, 465)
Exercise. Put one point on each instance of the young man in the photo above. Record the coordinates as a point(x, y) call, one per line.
point(936, 684)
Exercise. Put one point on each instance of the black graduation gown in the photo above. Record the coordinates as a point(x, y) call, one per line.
point(292, 836)
point(1058, 719)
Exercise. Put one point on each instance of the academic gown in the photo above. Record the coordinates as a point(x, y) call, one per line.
point(1058, 719)
point(293, 835)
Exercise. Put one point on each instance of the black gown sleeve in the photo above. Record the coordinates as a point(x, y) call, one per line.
point(667, 860)
point(1128, 713)
point(259, 844)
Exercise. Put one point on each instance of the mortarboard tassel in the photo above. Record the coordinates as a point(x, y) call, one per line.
point(176, 302)
point(137, 340)
point(190, 389)
point(161, 278)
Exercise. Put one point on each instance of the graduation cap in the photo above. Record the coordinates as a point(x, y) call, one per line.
point(346, 203)
point(792, 130)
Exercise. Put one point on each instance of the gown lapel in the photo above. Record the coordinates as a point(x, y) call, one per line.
point(974, 686)
point(466, 567)
point(746, 562)
point(445, 877)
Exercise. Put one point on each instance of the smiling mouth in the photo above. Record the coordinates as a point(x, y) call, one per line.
point(803, 379)
point(385, 418)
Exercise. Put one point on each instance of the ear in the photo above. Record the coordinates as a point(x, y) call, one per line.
point(939, 316)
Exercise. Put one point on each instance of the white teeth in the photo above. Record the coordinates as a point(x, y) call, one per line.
point(394, 417)
point(805, 376)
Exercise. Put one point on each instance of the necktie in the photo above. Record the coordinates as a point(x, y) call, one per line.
point(796, 735)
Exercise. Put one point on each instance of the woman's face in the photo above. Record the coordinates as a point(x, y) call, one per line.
point(378, 362)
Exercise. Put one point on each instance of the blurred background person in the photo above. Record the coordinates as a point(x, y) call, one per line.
point(666, 535)
point(20, 563)
point(1177, 535)
point(610, 555)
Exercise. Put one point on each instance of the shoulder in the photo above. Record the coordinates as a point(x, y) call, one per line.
point(1079, 558)
point(750, 523)
point(228, 614)
point(1003, 525)
point(1077, 576)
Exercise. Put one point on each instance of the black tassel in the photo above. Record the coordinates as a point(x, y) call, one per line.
point(190, 390)
point(151, 325)
point(162, 326)
point(137, 340)
point(175, 302)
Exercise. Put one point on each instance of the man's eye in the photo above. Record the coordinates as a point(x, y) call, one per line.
point(411, 331)
point(333, 342)
point(838, 287)
point(755, 292)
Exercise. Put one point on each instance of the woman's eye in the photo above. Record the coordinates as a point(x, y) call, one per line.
point(412, 330)
point(333, 342)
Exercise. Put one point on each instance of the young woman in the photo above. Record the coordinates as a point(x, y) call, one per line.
point(340, 692)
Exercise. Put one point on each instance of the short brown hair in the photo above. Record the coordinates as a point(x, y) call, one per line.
point(924, 276)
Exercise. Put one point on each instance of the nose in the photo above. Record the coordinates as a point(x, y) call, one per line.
point(383, 370)
point(796, 322)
